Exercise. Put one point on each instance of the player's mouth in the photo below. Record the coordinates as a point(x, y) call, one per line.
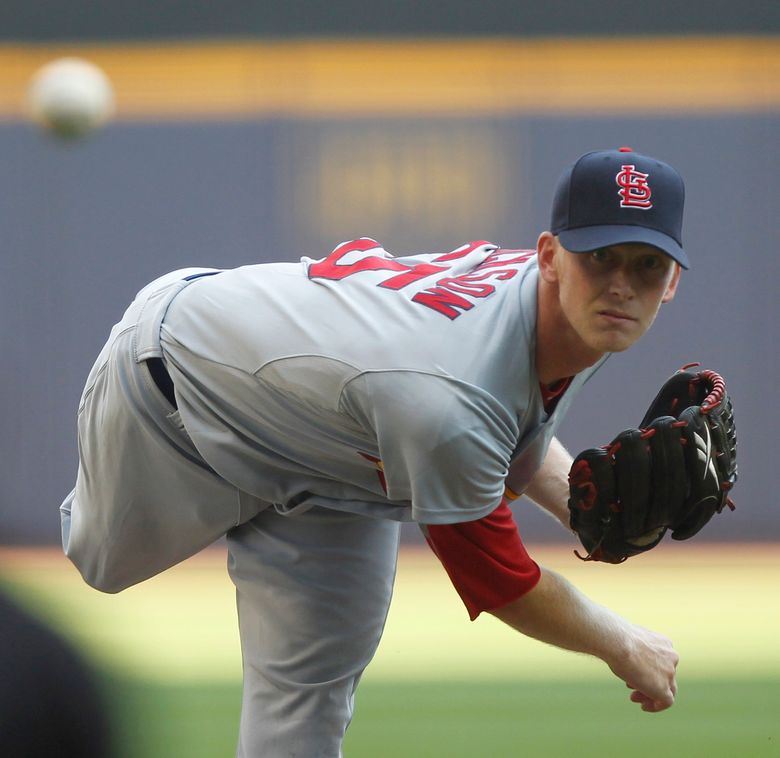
point(616, 317)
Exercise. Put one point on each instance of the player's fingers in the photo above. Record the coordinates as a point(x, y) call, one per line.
point(660, 705)
point(651, 705)
point(648, 705)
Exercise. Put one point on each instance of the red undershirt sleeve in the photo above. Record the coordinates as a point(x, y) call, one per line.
point(485, 559)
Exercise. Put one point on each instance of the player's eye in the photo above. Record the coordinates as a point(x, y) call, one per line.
point(653, 267)
point(651, 262)
point(601, 255)
point(655, 263)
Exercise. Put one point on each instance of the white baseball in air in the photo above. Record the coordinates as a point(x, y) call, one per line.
point(70, 97)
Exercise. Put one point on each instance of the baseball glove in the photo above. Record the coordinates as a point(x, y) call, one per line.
point(674, 472)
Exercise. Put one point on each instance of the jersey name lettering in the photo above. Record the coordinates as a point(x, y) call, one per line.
point(335, 268)
point(445, 297)
point(449, 294)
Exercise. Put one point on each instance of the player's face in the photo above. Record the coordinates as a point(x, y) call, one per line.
point(611, 296)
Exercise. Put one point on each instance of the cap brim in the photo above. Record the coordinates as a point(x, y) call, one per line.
point(588, 238)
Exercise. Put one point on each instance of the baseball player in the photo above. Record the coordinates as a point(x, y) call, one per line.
point(306, 409)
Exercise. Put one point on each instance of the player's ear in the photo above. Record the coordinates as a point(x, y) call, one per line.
point(672, 288)
point(546, 248)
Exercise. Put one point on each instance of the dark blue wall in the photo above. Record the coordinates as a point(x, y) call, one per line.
point(85, 226)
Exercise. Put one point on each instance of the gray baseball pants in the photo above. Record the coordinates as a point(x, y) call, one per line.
point(312, 589)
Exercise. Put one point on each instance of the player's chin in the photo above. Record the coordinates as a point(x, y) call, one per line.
point(613, 342)
point(621, 336)
point(619, 347)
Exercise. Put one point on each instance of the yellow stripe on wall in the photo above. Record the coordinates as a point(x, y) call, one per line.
point(421, 77)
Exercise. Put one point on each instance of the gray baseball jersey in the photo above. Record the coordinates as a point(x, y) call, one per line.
point(319, 403)
point(398, 387)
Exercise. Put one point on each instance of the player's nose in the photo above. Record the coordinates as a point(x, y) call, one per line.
point(620, 284)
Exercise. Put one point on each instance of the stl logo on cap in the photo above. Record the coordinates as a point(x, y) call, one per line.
point(634, 190)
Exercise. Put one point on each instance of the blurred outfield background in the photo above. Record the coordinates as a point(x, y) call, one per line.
point(440, 686)
point(247, 133)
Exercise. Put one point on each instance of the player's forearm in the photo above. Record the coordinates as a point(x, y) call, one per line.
point(550, 487)
point(555, 612)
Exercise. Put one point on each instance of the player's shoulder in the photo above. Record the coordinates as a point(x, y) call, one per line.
point(366, 257)
point(367, 254)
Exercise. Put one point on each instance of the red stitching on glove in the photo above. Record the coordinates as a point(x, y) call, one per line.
point(580, 477)
point(715, 398)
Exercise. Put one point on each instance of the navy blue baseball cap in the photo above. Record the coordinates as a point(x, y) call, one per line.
point(614, 197)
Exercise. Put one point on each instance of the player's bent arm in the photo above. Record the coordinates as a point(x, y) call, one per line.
point(554, 611)
point(550, 486)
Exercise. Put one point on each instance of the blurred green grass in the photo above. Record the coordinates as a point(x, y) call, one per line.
point(464, 719)
point(440, 686)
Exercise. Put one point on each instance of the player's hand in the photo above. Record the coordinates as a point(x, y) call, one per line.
point(649, 669)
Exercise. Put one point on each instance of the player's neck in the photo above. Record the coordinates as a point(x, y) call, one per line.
point(560, 352)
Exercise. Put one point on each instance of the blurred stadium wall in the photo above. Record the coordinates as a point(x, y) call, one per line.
point(248, 134)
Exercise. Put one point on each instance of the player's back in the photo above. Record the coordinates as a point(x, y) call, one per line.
point(298, 377)
point(459, 314)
